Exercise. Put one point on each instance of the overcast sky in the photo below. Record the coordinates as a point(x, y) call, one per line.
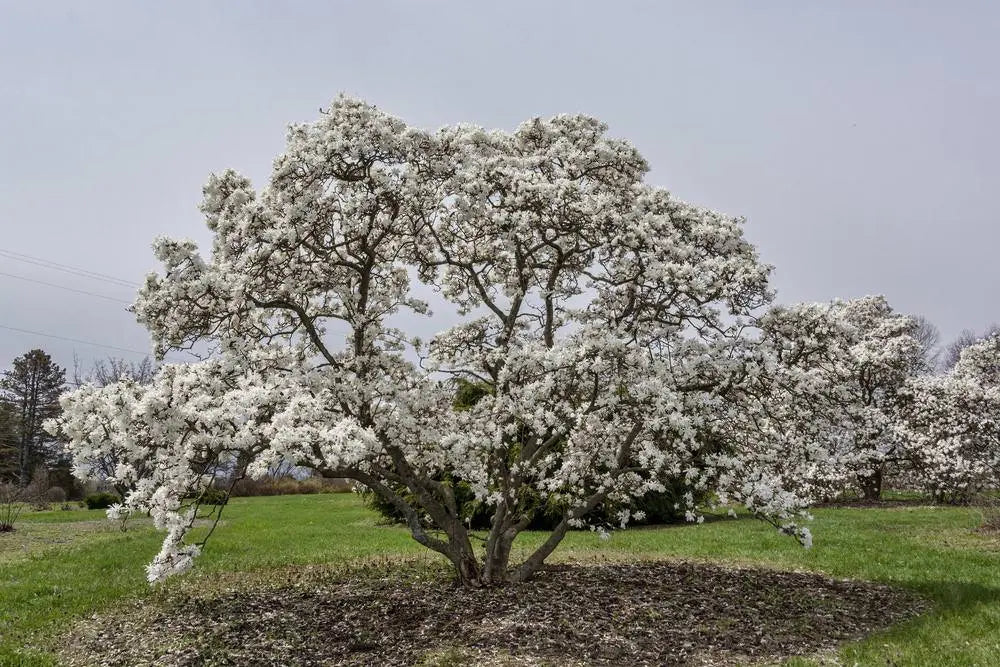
point(860, 140)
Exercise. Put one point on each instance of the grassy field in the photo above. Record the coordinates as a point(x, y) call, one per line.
point(61, 565)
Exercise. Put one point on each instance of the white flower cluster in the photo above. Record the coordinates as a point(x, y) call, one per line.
point(951, 424)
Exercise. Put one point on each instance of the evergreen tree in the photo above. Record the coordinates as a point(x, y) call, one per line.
point(30, 390)
point(8, 443)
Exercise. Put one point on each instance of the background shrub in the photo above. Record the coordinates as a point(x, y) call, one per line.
point(667, 506)
point(101, 500)
point(280, 486)
point(211, 496)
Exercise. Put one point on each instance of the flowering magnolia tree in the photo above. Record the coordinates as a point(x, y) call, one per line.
point(951, 424)
point(881, 352)
point(807, 394)
point(855, 355)
point(606, 321)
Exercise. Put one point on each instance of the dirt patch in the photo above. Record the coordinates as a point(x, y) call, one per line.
point(609, 614)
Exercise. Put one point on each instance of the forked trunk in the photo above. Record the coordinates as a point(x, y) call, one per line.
point(468, 570)
point(871, 484)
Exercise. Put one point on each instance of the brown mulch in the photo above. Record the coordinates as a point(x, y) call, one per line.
point(649, 613)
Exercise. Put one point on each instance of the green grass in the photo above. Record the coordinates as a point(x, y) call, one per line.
point(64, 565)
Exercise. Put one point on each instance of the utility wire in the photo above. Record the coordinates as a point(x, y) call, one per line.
point(82, 342)
point(66, 268)
point(63, 287)
point(86, 273)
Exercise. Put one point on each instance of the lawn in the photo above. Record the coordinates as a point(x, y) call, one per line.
point(60, 566)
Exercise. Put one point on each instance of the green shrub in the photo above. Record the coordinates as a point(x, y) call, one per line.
point(101, 500)
point(212, 496)
point(468, 393)
point(283, 486)
point(667, 506)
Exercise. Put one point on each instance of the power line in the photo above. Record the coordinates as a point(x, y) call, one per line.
point(59, 266)
point(66, 268)
point(63, 287)
point(77, 340)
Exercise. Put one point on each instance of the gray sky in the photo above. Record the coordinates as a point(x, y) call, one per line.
point(859, 139)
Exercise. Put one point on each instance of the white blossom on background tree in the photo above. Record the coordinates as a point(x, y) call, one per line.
point(124, 375)
point(883, 352)
point(951, 424)
point(608, 321)
point(852, 358)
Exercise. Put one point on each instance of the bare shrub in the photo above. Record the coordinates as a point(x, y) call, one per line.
point(34, 492)
point(11, 504)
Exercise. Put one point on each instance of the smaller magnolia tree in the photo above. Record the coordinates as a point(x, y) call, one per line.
point(607, 322)
point(808, 395)
point(882, 353)
point(851, 358)
point(951, 424)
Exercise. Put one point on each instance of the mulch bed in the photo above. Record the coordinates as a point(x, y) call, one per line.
point(644, 613)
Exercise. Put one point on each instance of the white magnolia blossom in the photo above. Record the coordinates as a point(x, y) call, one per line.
point(846, 362)
point(951, 424)
point(608, 323)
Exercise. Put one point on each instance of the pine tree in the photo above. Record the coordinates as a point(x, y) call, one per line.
point(8, 443)
point(30, 390)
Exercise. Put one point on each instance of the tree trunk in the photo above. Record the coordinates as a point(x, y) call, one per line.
point(495, 563)
point(531, 565)
point(871, 484)
point(468, 569)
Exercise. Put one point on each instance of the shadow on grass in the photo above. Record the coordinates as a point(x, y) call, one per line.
point(955, 596)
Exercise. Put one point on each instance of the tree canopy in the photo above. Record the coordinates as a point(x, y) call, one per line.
point(615, 337)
